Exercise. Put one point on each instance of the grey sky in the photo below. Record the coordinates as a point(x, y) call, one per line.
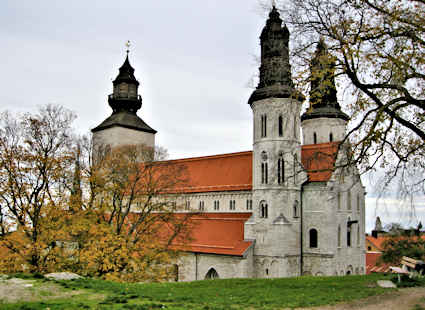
point(193, 59)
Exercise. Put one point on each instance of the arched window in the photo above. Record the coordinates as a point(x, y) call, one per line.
point(331, 137)
point(295, 168)
point(358, 203)
point(280, 125)
point(296, 208)
point(264, 168)
point(339, 235)
point(280, 170)
point(264, 212)
point(313, 238)
point(212, 274)
point(263, 125)
point(314, 138)
point(348, 233)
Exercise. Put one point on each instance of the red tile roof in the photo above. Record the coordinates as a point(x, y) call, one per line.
point(319, 160)
point(233, 172)
point(225, 172)
point(379, 242)
point(216, 233)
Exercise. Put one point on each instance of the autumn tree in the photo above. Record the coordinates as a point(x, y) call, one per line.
point(35, 164)
point(377, 49)
point(131, 197)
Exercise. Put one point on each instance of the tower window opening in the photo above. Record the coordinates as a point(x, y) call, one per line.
point(280, 171)
point(263, 125)
point(331, 137)
point(358, 203)
point(264, 212)
point(339, 200)
point(313, 238)
point(296, 208)
point(339, 235)
point(201, 205)
point(348, 233)
point(264, 173)
point(280, 125)
point(358, 235)
point(187, 206)
point(314, 138)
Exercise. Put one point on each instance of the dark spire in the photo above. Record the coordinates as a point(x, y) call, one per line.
point(125, 101)
point(323, 99)
point(126, 74)
point(275, 70)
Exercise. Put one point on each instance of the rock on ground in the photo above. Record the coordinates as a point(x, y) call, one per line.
point(62, 276)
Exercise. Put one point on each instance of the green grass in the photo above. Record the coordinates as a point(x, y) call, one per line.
point(214, 294)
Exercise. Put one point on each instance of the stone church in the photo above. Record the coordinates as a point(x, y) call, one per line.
point(286, 208)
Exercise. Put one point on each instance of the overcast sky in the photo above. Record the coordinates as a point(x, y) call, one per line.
point(193, 59)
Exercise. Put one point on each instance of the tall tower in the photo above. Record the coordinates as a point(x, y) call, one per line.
point(323, 121)
point(124, 126)
point(277, 175)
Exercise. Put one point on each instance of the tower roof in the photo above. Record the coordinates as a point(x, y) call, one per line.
point(323, 94)
point(275, 70)
point(126, 74)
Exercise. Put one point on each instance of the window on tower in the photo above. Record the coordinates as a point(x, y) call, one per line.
point(263, 125)
point(314, 138)
point(264, 212)
point(331, 137)
point(348, 233)
point(280, 125)
point(280, 170)
point(313, 238)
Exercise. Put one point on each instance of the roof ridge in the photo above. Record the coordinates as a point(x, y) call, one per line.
point(208, 157)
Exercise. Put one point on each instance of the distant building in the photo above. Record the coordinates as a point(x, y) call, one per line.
point(282, 209)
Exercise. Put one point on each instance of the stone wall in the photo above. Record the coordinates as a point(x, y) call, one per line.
point(119, 136)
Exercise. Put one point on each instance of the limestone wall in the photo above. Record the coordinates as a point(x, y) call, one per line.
point(118, 136)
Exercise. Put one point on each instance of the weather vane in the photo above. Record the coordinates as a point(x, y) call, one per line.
point(128, 46)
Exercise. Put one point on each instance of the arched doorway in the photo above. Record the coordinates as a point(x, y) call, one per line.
point(211, 274)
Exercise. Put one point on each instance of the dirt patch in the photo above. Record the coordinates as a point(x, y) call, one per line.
point(403, 299)
point(14, 290)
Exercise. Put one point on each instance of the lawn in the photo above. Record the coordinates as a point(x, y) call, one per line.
point(211, 294)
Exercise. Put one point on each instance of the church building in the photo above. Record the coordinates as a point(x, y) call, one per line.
point(287, 208)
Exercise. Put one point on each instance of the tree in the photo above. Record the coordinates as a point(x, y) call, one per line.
point(132, 199)
point(35, 163)
point(111, 215)
point(397, 246)
point(377, 49)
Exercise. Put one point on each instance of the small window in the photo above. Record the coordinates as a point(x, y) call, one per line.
point(314, 138)
point(313, 238)
point(187, 206)
point(339, 235)
point(232, 205)
point(201, 205)
point(216, 205)
point(348, 233)
point(249, 204)
point(264, 173)
point(296, 208)
point(280, 170)
point(280, 125)
point(331, 137)
point(263, 126)
point(369, 248)
point(264, 212)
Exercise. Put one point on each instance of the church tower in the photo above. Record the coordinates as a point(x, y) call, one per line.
point(277, 171)
point(324, 121)
point(124, 126)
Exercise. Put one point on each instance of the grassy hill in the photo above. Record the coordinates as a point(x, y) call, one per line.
point(212, 294)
